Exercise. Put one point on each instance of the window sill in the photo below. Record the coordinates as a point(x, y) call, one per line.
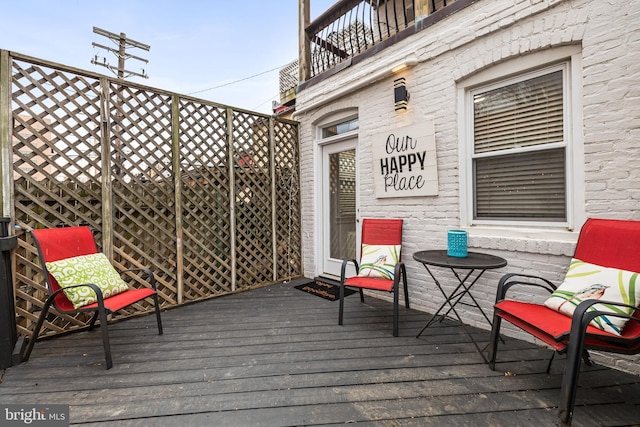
point(528, 240)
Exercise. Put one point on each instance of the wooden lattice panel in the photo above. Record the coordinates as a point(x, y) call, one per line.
point(204, 163)
point(254, 249)
point(99, 151)
point(287, 184)
point(143, 188)
point(288, 77)
point(56, 171)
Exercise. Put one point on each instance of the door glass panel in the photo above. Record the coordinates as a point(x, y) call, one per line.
point(340, 128)
point(342, 204)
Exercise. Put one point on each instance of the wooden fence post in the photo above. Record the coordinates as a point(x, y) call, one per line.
point(177, 182)
point(6, 152)
point(274, 212)
point(232, 197)
point(105, 165)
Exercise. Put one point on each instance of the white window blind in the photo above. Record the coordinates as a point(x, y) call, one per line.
point(518, 186)
point(519, 155)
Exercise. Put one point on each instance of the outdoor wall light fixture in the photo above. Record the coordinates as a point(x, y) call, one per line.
point(408, 62)
point(400, 94)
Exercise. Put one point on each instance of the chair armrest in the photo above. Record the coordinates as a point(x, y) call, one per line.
point(583, 315)
point(152, 277)
point(513, 279)
point(96, 289)
point(399, 267)
point(343, 269)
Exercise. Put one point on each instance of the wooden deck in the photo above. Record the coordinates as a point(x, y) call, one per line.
point(276, 356)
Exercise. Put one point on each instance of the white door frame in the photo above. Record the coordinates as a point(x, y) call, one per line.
point(325, 264)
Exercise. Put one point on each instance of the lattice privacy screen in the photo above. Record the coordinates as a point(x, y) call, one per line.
point(205, 195)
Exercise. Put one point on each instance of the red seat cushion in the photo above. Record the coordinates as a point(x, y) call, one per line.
point(369, 283)
point(553, 328)
point(123, 299)
point(543, 323)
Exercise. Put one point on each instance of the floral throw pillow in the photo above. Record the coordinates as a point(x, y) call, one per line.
point(379, 261)
point(94, 268)
point(590, 281)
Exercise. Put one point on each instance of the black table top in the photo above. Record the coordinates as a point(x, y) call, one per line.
point(474, 260)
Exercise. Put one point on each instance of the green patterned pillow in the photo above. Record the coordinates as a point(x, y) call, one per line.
point(94, 268)
point(590, 281)
point(379, 261)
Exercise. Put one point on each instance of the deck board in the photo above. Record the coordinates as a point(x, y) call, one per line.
point(276, 356)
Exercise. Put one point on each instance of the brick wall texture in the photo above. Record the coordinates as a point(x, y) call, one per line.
point(477, 38)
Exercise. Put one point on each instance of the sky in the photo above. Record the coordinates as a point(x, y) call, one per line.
point(198, 47)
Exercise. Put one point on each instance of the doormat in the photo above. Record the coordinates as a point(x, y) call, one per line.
point(324, 290)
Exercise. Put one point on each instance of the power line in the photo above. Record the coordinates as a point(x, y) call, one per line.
point(264, 102)
point(236, 81)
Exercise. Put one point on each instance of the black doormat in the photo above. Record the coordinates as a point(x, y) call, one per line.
point(324, 290)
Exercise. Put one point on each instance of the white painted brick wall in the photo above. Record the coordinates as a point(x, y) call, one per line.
point(485, 34)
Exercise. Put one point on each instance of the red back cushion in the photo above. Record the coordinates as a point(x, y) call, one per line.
point(381, 231)
point(55, 244)
point(610, 243)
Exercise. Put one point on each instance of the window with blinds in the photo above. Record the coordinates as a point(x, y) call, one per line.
point(519, 151)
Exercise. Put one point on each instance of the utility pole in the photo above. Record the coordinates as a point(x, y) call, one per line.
point(121, 53)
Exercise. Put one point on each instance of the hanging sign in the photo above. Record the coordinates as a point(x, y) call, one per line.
point(404, 162)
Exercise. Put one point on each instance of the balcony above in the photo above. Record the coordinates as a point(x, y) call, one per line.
point(353, 30)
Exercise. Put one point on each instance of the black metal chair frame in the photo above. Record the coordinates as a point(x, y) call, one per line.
point(399, 271)
point(575, 343)
point(100, 312)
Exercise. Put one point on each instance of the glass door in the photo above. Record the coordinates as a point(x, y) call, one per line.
point(340, 232)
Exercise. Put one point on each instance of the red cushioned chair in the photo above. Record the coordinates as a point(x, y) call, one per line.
point(377, 232)
point(56, 244)
point(609, 243)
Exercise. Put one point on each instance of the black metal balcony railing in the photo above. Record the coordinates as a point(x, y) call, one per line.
point(351, 27)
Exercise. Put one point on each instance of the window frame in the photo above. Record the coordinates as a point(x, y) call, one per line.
point(564, 144)
point(569, 60)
